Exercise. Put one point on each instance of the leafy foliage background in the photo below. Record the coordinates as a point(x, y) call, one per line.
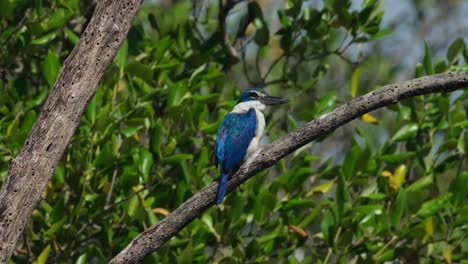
point(390, 187)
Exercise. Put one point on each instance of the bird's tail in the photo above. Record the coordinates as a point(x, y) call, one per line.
point(222, 187)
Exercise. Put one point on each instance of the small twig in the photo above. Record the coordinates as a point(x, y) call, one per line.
point(257, 62)
point(273, 65)
point(343, 40)
point(222, 15)
point(385, 246)
point(345, 58)
point(244, 64)
point(275, 81)
point(126, 198)
point(242, 27)
point(196, 15)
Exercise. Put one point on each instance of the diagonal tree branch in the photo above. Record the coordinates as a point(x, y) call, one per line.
point(153, 238)
point(31, 170)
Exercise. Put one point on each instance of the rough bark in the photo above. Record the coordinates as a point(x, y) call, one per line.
point(153, 238)
point(76, 84)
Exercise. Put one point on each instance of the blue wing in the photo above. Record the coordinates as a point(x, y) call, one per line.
point(234, 136)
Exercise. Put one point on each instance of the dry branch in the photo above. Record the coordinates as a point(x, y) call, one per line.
point(153, 238)
point(32, 168)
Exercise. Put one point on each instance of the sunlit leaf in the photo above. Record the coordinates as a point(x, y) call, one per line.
point(433, 206)
point(406, 132)
point(354, 82)
point(44, 39)
point(429, 228)
point(369, 119)
point(51, 67)
point(448, 254)
point(71, 36)
point(44, 256)
point(55, 227)
point(83, 259)
point(322, 188)
point(146, 162)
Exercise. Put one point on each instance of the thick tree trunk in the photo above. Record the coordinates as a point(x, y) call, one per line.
point(30, 171)
point(153, 238)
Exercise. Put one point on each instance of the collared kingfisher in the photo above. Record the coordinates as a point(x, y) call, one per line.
point(240, 132)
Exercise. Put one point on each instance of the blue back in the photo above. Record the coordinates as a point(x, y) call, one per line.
point(234, 136)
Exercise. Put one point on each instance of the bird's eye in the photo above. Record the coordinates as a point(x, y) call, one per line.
point(254, 94)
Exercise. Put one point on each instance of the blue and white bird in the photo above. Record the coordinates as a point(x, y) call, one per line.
point(240, 132)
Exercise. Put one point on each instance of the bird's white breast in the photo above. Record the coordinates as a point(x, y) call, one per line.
point(253, 146)
point(259, 107)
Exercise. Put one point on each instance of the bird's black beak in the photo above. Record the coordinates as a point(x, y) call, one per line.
point(273, 100)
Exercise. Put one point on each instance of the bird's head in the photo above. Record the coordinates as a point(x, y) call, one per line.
point(261, 96)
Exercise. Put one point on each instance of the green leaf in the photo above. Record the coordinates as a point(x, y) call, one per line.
point(74, 39)
point(421, 183)
point(208, 221)
point(121, 57)
point(440, 67)
point(293, 8)
point(196, 73)
point(57, 19)
point(156, 135)
point(44, 256)
point(91, 111)
point(354, 82)
point(419, 72)
point(322, 188)
point(399, 208)
point(283, 18)
point(7, 8)
point(131, 130)
point(455, 50)
point(176, 95)
point(433, 206)
point(82, 259)
point(59, 174)
point(296, 204)
point(397, 158)
point(368, 3)
point(133, 205)
point(460, 189)
point(44, 39)
point(406, 132)
point(161, 47)
point(350, 162)
point(177, 158)
point(138, 69)
point(146, 162)
point(51, 67)
point(342, 193)
point(328, 225)
point(428, 60)
point(55, 227)
point(262, 36)
point(205, 98)
point(28, 121)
